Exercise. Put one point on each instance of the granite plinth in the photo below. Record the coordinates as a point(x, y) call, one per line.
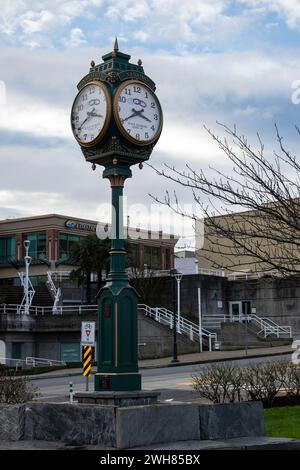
point(12, 419)
point(155, 424)
point(231, 420)
point(118, 399)
point(124, 427)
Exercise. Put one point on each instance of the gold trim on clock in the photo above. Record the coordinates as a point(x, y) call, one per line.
point(118, 120)
point(107, 117)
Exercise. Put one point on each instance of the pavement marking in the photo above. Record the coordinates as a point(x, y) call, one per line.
point(185, 383)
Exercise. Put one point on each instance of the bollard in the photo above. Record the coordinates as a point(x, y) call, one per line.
point(71, 392)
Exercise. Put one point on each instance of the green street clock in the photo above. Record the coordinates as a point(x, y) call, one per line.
point(117, 119)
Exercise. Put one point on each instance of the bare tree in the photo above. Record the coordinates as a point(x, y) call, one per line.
point(252, 214)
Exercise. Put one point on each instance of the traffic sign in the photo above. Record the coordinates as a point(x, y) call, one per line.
point(88, 333)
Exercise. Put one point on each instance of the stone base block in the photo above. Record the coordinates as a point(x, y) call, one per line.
point(118, 399)
point(73, 424)
point(137, 426)
point(12, 419)
point(231, 420)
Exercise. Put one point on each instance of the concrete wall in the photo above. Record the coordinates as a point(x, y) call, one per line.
point(159, 340)
point(213, 291)
point(41, 336)
point(276, 298)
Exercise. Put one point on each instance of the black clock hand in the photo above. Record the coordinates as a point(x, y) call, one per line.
point(134, 113)
point(88, 117)
point(94, 114)
point(144, 117)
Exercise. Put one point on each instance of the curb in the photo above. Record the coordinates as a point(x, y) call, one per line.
point(179, 364)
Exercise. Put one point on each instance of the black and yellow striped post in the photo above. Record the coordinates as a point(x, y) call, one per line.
point(87, 364)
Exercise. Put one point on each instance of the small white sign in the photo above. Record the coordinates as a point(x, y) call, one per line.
point(88, 333)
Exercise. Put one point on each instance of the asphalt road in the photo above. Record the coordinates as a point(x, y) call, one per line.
point(174, 383)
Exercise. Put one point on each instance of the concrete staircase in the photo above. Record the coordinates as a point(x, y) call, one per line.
point(13, 295)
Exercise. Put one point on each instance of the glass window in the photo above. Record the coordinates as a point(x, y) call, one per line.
point(152, 257)
point(37, 249)
point(66, 242)
point(7, 248)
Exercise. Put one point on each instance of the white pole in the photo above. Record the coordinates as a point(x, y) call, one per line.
point(200, 319)
point(178, 305)
point(26, 286)
point(199, 309)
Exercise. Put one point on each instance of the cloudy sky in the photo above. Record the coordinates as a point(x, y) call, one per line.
point(212, 60)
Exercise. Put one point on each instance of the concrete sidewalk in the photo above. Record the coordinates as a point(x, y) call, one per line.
point(243, 443)
point(205, 357)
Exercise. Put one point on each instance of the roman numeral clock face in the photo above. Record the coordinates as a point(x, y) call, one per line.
point(138, 113)
point(90, 114)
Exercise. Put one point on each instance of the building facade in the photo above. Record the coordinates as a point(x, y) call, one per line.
point(51, 239)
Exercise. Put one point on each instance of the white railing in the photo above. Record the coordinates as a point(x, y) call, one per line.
point(265, 325)
point(166, 317)
point(9, 362)
point(30, 362)
point(30, 292)
point(243, 275)
point(40, 361)
point(61, 310)
point(59, 276)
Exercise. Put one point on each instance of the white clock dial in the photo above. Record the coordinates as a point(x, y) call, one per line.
point(138, 112)
point(90, 113)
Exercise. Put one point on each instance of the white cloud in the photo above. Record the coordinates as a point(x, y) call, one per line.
point(42, 19)
point(140, 36)
point(288, 10)
point(77, 38)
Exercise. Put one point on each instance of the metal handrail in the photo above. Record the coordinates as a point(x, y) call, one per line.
point(266, 325)
point(165, 316)
point(34, 361)
point(38, 310)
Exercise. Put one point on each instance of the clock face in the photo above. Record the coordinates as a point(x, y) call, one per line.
point(137, 112)
point(90, 113)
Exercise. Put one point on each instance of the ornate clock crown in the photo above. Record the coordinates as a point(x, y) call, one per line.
point(116, 68)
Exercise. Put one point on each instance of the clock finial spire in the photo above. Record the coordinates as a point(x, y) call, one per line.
point(116, 45)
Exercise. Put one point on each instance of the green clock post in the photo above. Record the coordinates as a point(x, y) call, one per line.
point(117, 119)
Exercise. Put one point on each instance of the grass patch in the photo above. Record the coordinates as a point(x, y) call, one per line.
point(283, 421)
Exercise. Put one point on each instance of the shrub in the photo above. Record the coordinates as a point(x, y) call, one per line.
point(291, 379)
point(219, 383)
point(14, 389)
point(263, 381)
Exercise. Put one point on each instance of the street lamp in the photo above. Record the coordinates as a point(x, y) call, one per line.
point(199, 308)
point(176, 321)
point(27, 259)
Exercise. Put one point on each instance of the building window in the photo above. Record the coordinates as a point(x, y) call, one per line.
point(7, 249)
point(66, 242)
point(152, 257)
point(133, 256)
point(37, 249)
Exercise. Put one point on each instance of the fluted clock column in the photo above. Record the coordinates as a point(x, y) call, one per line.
point(118, 341)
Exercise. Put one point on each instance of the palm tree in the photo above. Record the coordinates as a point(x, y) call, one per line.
point(91, 256)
